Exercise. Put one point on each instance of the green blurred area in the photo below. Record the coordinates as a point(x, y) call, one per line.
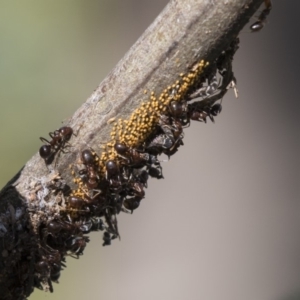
point(51, 60)
point(53, 54)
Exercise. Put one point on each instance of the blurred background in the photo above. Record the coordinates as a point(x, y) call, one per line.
point(224, 223)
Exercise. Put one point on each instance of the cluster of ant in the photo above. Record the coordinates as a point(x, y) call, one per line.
point(62, 217)
point(121, 187)
point(101, 197)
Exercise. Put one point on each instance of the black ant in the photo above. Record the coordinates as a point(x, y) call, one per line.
point(93, 204)
point(49, 268)
point(107, 237)
point(155, 171)
point(171, 137)
point(76, 244)
point(59, 140)
point(132, 203)
point(43, 268)
point(55, 261)
point(141, 176)
point(136, 193)
point(159, 143)
point(215, 110)
point(66, 236)
point(134, 157)
point(89, 175)
point(112, 222)
point(76, 202)
point(258, 25)
point(113, 176)
point(178, 111)
point(205, 91)
point(197, 114)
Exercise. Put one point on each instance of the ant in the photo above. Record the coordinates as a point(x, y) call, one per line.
point(258, 25)
point(134, 157)
point(49, 267)
point(59, 140)
point(141, 176)
point(132, 203)
point(205, 91)
point(76, 202)
point(200, 115)
point(137, 193)
point(215, 110)
point(112, 222)
point(55, 234)
point(178, 111)
point(56, 264)
point(107, 237)
point(171, 128)
point(89, 175)
point(76, 244)
point(70, 236)
point(155, 171)
point(89, 204)
point(43, 269)
point(159, 143)
point(97, 224)
point(113, 176)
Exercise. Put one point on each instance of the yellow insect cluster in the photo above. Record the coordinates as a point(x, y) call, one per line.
point(134, 131)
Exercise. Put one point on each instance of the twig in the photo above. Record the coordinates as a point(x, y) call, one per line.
point(185, 33)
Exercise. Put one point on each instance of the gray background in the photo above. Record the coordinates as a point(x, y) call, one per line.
point(224, 224)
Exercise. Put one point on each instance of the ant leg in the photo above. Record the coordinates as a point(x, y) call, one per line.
point(44, 140)
point(75, 134)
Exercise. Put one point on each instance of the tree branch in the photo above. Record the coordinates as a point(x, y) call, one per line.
point(183, 38)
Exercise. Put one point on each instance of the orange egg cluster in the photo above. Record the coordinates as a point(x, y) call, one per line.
point(134, 131)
